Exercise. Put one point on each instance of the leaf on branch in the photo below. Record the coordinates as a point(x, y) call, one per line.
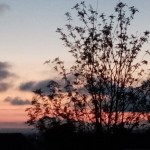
point(69, 94)
point(146, 33)
point(83, 4)
point(38, 91)
point(76, 74)
point(121, 5)
point(145, 62)
point(47, 62)
point(73, 99)
point(133, 10)
point(143, 39)
point(148, 52)
point(55, 68)
point(76, 6)
point(102, 16)
point(65, 109)
point(58, 30)
point(80, 13)
point(68, 15)
point(112, 16)
point(68, 26)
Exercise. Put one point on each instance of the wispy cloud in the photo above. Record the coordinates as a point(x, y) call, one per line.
point(4, 8)
point(17, 101)
point(4, 70)
point(4, 65)
point(4, 86)
point(5, 74)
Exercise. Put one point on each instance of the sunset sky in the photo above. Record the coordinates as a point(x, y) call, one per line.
point(28, 39)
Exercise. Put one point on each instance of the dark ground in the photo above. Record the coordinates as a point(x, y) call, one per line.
point(97, 142)
point(52, 141)
point(14, 141)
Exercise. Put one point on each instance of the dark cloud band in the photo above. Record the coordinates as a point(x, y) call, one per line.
point(17, 101)
point(4, 70)
point(31, 85)
point(5, 73)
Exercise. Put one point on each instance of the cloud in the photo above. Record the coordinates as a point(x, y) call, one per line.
point(4, 65)
point(4, 86)
point(32, 85)
point(43, 84)
point(28, 86)
point(4, 8)
point(5, 74)
point(4, 70)
point(17, 101)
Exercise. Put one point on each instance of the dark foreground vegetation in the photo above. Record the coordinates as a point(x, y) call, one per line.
point(57, 139)
point(97, 142)
point(103, 100)
point(107, 86)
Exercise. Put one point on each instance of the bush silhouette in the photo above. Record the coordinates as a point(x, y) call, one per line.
point(102, 91)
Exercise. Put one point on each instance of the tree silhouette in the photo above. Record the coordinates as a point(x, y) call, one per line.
point(102, 91)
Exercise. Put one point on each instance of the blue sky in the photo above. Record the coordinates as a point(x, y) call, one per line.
point(28, 29)
point(28, 37)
